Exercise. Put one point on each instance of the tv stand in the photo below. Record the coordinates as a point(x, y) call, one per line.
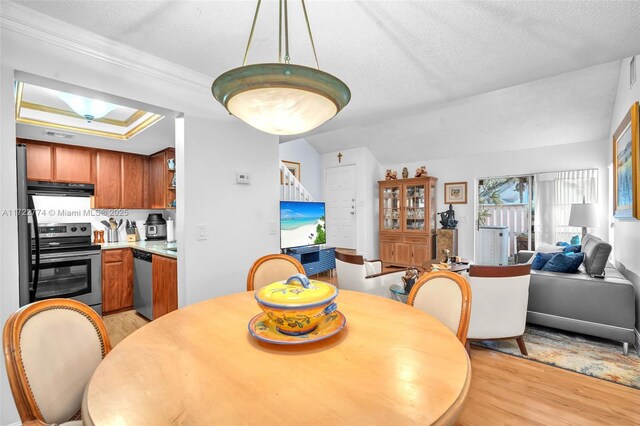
point(314, 259)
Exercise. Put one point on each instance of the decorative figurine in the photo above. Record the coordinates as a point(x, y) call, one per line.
point(409, 279)
point(391, 175)
point(421, 171)
point(446, 256)
point(171, 164)
point(448, 218)
point(405, 173)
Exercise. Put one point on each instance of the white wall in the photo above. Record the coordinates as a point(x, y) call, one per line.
point(626, 233)
point(368, 173)
point(311, 172)
point(239, 218)
point(583, 155)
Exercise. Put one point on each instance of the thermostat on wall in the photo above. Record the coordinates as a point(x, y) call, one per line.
point(243, 178)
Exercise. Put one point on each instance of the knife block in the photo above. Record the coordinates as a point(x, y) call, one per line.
point(132, 238)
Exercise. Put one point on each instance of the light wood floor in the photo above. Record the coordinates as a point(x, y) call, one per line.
point(508, 390)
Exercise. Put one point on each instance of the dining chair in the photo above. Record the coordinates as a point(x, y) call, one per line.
point(500, 299)
point(357, 274)
point(51, 349)
point(447, 296)
point(271, 268)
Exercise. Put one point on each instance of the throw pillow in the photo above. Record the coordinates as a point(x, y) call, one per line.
point(548, 248)
point(541, 260)
point(575, 240)
point(563, 262)
point(572, 249)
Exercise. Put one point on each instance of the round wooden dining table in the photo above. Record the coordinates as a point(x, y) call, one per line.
point(391, 364)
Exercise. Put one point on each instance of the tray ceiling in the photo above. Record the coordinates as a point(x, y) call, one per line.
point(43, 107)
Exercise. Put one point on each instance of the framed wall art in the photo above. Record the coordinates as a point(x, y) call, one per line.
point(455, 193)
point(294, 168)
point(626, 166)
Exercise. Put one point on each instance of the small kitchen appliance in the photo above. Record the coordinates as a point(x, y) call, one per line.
point(155, 227)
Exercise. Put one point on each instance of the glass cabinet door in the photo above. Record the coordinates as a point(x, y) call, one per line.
point(415, 206)
point(433, 214)
point(391, 208)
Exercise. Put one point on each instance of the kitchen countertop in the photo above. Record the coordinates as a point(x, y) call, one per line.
point(155, 247)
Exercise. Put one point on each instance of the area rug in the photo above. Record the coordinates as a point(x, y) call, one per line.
point(592, 356)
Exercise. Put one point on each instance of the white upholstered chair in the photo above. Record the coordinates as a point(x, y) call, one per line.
point(51, 350)
point(500, 299)
point(357, 274)
point(271, 268)
point(447, 296)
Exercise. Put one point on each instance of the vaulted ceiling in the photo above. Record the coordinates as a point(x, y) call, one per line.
point(405, 59)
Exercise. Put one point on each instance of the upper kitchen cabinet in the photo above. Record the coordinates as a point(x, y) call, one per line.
point(108, 180)
point(162, 191)
point(135, 181)
point(58, 163)
point(39, 161)
point(71, 164)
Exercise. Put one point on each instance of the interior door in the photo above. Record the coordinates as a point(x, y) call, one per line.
point(340, 203)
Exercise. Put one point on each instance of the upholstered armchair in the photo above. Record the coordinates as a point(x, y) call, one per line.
point(446, 296)
point(271, 268)
point(500, 299)
point(51, 350)
point(357, 274)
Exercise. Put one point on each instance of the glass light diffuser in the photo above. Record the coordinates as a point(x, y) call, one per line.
point(89, 108)
point(281, 99)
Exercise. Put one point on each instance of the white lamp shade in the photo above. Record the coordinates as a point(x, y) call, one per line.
point(583, 215)
point(86, 107)
point(282, 110)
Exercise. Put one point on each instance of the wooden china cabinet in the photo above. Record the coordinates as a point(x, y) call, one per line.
point(407, 220)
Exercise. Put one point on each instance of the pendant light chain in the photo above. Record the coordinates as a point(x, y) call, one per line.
point(280, 32)
point(287, 57)
point(313, 46)
point(286, 34)
point(253, 27)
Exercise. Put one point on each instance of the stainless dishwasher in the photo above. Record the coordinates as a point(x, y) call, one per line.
point(142, 283)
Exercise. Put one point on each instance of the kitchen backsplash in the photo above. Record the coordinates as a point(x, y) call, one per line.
point(77, 209)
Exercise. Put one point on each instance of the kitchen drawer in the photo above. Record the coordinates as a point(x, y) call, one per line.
point(391, 237)
point(113, 255)
point(416, 238)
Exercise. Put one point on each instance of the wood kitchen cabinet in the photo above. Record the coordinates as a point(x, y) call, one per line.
point(39, 161)
point(71, 164)
point(108, 180)
point(407, 220)
point(161, 191)
point(117, 280)
point(165, 285)
point(135, 176)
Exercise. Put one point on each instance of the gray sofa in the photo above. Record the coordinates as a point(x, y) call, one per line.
point(597, 300)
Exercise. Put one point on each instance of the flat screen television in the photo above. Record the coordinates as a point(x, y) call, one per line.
point(302, 224)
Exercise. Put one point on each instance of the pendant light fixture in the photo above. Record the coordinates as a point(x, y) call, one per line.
point(90, 109)
point(281, 98)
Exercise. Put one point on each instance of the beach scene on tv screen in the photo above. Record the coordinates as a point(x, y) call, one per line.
point(302, 224)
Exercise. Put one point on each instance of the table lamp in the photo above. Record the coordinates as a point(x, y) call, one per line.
point(583, 215)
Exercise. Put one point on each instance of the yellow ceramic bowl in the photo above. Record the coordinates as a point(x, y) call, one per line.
point(297, 305)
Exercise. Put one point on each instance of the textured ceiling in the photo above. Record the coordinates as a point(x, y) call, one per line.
point(400, 58)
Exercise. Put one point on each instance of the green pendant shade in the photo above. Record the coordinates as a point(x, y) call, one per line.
point(282, 99)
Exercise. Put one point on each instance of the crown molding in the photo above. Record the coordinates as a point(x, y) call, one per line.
point(28, 22)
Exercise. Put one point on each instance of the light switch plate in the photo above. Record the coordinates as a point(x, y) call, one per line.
point(201, 232)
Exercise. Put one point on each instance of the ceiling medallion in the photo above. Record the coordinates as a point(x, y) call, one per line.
point(281, 98)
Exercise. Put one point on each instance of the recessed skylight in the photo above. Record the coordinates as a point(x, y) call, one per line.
point(41, 106)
